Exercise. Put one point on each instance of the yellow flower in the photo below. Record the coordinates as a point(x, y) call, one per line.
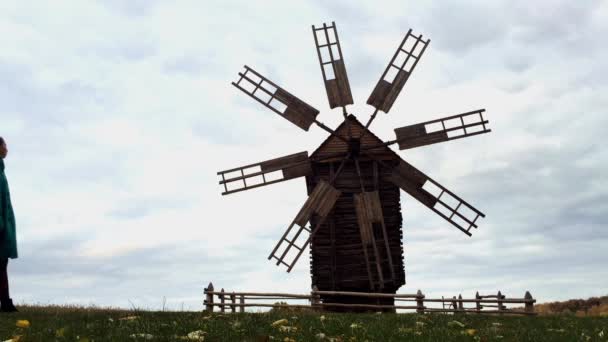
point(355, 326)
point(60, 332)
point(471, 332)
point(128, 318)
point(322, 318)
point(279, 322)
point(23, 323)
point(286, 328)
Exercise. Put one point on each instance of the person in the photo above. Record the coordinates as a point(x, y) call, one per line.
point(8, 238)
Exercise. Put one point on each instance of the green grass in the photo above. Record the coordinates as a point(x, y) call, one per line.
point(64, 323)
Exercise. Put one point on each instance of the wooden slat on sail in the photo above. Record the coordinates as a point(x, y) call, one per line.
point(276, 98)
point(332, 66)
point(413, 181)
point(448, 128)
point(320, 202)
point(394, 77)
point(291, 166)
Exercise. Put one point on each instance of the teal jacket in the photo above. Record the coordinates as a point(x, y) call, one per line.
point(8, 234)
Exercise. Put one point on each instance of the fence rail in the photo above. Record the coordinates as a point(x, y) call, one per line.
point(487, 304)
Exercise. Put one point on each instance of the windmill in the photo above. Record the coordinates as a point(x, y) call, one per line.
point(352, 217)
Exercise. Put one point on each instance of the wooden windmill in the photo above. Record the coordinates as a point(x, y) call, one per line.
point(352, 217)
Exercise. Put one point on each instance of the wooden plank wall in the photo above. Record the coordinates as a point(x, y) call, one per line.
point(344, 269)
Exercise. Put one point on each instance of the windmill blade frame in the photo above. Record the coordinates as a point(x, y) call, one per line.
point(276, 98)
point(423, 188)
point(333, 70)
point(320, 202)
point(395, 76)
point(440, 130)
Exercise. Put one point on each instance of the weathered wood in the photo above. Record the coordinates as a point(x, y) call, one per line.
point(417, 135)
point(209, 298)
point(291, 166)
point(386, 92)
point(273, 294)
point(320, 202)
point(296, 111)
point(419, 302)
point(242, 302)
point(338, 89)
point(222, 300)
point(529, 306)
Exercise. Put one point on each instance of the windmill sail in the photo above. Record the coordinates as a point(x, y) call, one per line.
point(436, 197)
point(397, 72)
point(276, 98)
point(265, 173)
point(332, 65)
point(320, 202)
point(369, 213)
point(448, 128)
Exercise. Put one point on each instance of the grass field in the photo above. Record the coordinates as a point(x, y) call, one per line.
point(38, 323)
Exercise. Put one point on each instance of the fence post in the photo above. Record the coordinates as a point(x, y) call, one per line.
point(209, 300)
point(460, 305)
point(233, 300)
point(499, 298)
point(529, 306)
point(242, 300)
point(454, 304)
point(222, 301)
point(315, 298)
point(419, 302)
point(477, 302)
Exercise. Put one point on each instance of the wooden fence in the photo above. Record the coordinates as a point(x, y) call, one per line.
point(490, 304)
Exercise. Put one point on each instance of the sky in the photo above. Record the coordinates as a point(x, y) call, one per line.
point(118, 115)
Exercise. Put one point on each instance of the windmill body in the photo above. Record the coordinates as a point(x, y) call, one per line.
point(352, 217)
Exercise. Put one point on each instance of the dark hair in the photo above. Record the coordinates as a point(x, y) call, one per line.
point(2, 142)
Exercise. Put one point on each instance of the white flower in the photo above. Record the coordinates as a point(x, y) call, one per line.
point(142, 335)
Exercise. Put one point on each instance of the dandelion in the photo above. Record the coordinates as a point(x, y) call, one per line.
point(60, 332)
point(279, 322)
point(471, 332)
point(322, 318)
point(128, 318)
point(23, 323)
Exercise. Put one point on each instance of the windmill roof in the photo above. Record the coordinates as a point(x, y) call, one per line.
point(334, 145)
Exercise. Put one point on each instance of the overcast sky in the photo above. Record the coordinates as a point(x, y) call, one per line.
point(118, 114)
